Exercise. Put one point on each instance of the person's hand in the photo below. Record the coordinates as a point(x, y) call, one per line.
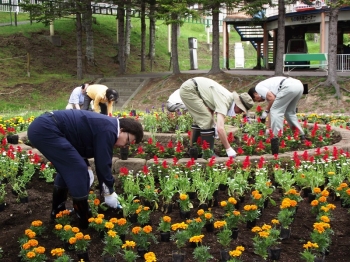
point(231, 152)
point(263, 115)
point(92, 177)
point(112, 200)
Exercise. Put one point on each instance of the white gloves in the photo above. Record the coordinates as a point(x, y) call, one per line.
point(91, 175)
point(112, 200)
point(267, 132)
point(263, 115)
point(216, 135)
point(231, 152)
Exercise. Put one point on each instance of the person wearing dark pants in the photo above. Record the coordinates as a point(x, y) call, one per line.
point(103, 98)
point(204, 98)
point(67, 138)
point(282, 95)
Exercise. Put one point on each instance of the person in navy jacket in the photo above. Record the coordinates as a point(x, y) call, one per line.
point(68, 137)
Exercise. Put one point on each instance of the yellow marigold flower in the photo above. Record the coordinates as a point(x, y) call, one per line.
point(109, 225)
point(232, 201)
point(331, 206)
point(98, 220)
point(208, 215)
point(33, 242)
point(256, 229)
point(302, 176)
point(96, 202)
point(75, 229)
point(275, 221)
point(39, 250)
point(266, 227)
point(136, 200)
point(114, 220)
point(324, 209)
point(325, 219)
point(235, 253)
point(79, 235)
point(219, 224)
point(196, 239)
point(198, 219)
point(314, 203)
point(177, 226)
point(87, 237)
point(308, 245)
point(91, 219)
point(138, 211)
point(147, 229)
point(58, 226)
point(100, 215)
point(293, 203)
point(240, 248)
point(67, 227)
point(166, 219)
point(223, 203)
point(322, 199)
point(146, 208)
point(183, 197)
point(264, 234)
point(292, 191)
point(200, 212)
point(268, 183)
point(136, 230)
point(150, 257)
point(330, 173)
point(128, 243)
point(72, 240)
point(31, 254)
point(317, 190)
point(57, 252)
point(112, 233)
point(27, 231)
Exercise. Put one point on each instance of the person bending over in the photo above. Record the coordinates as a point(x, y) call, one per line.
point(76, 99)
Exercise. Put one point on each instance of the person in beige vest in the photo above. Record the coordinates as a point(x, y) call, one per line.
point(103, 97)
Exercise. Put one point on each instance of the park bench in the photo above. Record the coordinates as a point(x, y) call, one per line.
point(291, 61)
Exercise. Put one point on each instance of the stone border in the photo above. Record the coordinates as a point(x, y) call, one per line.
point(136, 164)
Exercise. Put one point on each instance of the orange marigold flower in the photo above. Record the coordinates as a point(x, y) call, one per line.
point(208, 215)
point(196, 239)
point(37, 223)
point(167, 219)
point(136, 230)
point(219, 224)
point(26, 246)
point(100, 215)
point(232, 201)
point(109, 225)
point(39, 250)
point(33, 242)
point(253, 207)
point(128, 243)
point(266, 227)
point(200, 212)
point(121, 222)
point(317, 190)
point(275, 221)
point(183, 197)
point(98, 220)
point(256, 229)
point(72, 240)
point(322, 199)
point(112, 233)
point(257, 196)
point(58, 226)
point(114, 220)
point(235, 253)
point(264, 234)
point(67, 227)
point(57, 252)
point(325, 219)
point(236, 213)
point(325, 193)
point(79, 235)
point(75, 229)
point(147, 229)
point(87, 237)
point(240, 248)
point(96, 201)
point(331, 206)
point(91, 219)
point(314, 203)
point(31, 254)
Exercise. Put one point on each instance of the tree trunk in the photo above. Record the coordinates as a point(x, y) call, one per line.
point(332, 51)
point(152, 30)
point(79, 46)
point(89, 34)
point(121, 37)
point(127, 30)
point(280, 38)
point(174, 53)
point(215, 57)
point(143, 36)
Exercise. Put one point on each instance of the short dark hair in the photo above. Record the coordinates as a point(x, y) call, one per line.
point(133, 127)
point(251, 92)
point(112, 95)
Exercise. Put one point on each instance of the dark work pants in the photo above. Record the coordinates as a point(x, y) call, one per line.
point(86, 105)
point(71, 168)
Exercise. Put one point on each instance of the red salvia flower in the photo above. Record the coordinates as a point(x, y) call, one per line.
point(246, 163)
point(258, 109)
point(155, 159)
point(305, 156)
point(261, 162)
point(175, 160)
point(165, 164)
point(140, 150)
point(230, 137)
point(211, 162)
point(123, 171)
point(145, 170)
point(229, 162)
point(205, 145)
point(150, 141)
point(170, 144)
point(240, 151)
point(283, 144)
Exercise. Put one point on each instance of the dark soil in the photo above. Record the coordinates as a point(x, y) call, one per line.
point(17, 217)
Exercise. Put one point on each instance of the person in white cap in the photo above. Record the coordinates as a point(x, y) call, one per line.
point(203, 97)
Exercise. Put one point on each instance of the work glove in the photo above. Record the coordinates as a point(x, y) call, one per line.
point(112, 200)
point(267, 132)
point(263, 115)
point(231, 152)
point(92, 177)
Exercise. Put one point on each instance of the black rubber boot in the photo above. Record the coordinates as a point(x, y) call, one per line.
point(83, 212)
point(275, 144)
point(208, 135)
point(59, 198)
point(196, 132)
point(302, 138)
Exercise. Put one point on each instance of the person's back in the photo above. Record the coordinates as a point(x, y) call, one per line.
point(174, 102)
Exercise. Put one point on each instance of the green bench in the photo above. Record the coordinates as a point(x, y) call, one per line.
point(292, 61)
